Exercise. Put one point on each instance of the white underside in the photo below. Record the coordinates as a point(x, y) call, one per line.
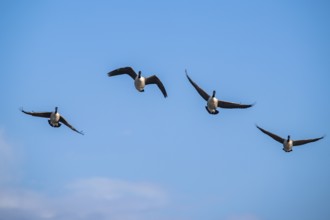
point(212, 104)
point(139, 83)
point(54, 118)
point(287, 146)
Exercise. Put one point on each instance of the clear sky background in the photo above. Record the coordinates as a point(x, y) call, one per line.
point(144, 157)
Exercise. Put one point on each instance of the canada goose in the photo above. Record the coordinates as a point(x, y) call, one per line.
point(139, 81)
point(213, 102)
point(54, 118)
point(288, 143)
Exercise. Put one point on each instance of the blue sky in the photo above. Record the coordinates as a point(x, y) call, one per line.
point(146, 157)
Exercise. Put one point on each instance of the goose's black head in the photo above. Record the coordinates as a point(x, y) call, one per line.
point(213, 95)
point(56, 109)
point(288, 137)
point(139, 74)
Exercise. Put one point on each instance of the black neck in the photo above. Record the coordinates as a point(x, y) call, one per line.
point(213, 95)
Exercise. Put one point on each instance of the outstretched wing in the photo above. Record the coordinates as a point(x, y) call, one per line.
point(70, 126)
point(124, 70)
point(274, 136)
point(37, 114)
point(224, 104)
point(199, 90)
point(155, 80)
point(301, 142)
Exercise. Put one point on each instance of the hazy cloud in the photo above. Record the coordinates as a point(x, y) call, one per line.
point(85, 199)
point(116, 190)
point(6, 159)
point(23, 204)
point(95, 198)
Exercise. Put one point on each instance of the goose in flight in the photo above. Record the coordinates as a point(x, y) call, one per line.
point(139, 81)
point(54, 118)
point(288, 143)
point(212, 101)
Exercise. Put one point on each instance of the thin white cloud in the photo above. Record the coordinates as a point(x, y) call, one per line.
point(7, 159)
point(85, 199)
point(13, 203)
point(95, 198)
point(114, 189)
point(111, 197)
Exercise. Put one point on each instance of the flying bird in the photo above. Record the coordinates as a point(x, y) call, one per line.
point(288, 143)
point(139, 81)
point(213, 102)
point(54, 118)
